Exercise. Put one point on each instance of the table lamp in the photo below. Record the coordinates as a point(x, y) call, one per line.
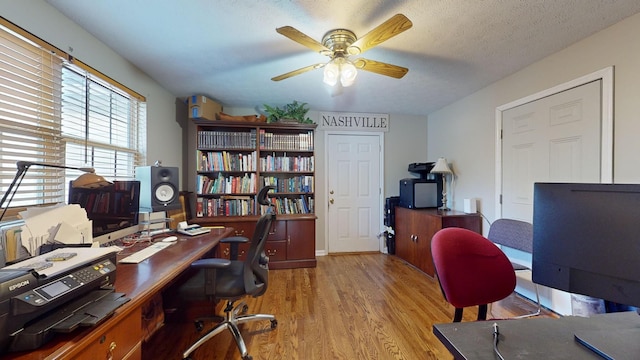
point(89, 180)
point(441, 167)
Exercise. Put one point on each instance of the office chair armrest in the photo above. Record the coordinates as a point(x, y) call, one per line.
point(235, 240)
point(212, 263)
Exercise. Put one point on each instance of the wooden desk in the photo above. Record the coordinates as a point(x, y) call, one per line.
point(543, 338)
point(121, 334)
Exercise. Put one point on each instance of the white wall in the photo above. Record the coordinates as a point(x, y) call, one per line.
point(464, 131)
point(46, 22)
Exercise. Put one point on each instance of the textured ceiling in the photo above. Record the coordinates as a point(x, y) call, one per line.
point(229, 49)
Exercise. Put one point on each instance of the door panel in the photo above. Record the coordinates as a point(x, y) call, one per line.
point(300, 247)
point(556, 138)
point(353, 166)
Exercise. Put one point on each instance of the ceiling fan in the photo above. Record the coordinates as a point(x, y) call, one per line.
point(340, 44)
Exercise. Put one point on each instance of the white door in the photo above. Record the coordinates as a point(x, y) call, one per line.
point(553, 139)
point(353, 173)
point(559, 137)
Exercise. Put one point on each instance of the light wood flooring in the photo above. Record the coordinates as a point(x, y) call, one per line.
point(361, 306)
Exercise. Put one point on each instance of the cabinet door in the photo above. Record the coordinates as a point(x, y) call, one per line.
point(301, 239)
point(405, 247)
point(428, 226)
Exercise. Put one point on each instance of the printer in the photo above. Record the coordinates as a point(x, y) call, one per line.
point(56, 292)
point(422, 192)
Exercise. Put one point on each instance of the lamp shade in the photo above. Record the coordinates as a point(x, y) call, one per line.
point(348, 73)
point(331, 73)
point(441, 167)
point(90, 181)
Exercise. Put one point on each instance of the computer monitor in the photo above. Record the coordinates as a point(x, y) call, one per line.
point(113, 210)
point(586, 239)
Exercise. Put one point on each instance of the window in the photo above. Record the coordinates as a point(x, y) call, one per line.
point(101, 126)
point(56, 110)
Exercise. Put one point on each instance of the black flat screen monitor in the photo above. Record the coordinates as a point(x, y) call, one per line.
point(586, 239)
point(113, 209)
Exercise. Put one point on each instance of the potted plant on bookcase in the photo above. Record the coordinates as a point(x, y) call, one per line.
point(292, 112)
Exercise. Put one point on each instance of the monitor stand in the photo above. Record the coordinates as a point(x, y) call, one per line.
point(611, 344)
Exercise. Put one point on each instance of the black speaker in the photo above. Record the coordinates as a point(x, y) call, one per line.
point(158, 188)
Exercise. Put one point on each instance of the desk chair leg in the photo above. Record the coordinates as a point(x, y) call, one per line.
point(211, 333)
point(231, 323)
point(457, 316)
point(482, 312)
point(538, 310)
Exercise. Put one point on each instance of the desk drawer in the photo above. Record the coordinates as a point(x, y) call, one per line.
point(276, 250)
point(118, 342)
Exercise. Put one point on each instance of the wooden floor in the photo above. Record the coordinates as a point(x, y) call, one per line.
point(369, 306)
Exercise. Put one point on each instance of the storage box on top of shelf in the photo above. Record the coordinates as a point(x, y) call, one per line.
point(201, 107)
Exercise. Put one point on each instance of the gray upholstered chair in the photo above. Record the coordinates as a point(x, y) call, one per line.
point(515, 234)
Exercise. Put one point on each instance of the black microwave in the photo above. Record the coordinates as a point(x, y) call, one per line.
point(418, 193)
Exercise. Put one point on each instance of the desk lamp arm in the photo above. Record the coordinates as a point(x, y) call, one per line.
point(23, 167)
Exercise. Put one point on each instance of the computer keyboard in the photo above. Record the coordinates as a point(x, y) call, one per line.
point(143, 254)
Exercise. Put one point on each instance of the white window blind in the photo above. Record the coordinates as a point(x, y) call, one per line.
point(102, 127)
point(55, 112)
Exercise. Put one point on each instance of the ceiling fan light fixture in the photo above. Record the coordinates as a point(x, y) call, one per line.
point(338, 44)
point(348, 73)
point(341, 69)
point(331, 73)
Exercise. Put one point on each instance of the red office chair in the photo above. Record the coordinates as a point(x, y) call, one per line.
point(471, 270)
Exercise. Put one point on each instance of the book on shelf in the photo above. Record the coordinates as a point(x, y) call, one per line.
point(272, 162)
point(285, 205)
point(292, 142)
point(225, 206)
point(214, 139)
point(292, 184)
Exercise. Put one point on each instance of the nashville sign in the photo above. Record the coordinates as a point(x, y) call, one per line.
point(353, 121)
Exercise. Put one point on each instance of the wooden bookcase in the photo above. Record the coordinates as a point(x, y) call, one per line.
point(234, 160)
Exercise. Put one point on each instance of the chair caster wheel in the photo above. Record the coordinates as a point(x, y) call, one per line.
point(248, 357)
point(245, 309)
point(199, 325)
point(274, 324)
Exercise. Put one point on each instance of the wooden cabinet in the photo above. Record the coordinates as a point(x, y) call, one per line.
point(291, 242)
point(415, 228)
point(234, 160)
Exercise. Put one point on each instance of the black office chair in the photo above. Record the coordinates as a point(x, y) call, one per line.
point(231, 280)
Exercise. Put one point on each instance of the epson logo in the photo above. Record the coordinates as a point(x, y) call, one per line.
point(18, 285)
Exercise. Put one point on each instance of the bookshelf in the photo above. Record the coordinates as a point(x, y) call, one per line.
point(234, 160)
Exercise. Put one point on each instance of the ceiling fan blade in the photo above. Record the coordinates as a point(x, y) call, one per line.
point(303, 39)
point(388, 29)
point(381, 68)
point(297, 72)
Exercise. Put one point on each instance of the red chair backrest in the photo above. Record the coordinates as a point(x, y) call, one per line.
point(471, 269)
